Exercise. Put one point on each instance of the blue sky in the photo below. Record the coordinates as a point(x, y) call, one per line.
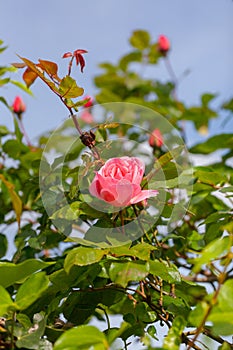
point(200, 34)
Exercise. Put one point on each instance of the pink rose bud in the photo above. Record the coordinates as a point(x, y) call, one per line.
point(87, 117)
point(163, 44)
point(89, 103)
point(118, 182)
point(18, 105)
point(156, 139)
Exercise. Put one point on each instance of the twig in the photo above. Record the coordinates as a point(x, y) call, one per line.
point(24, 133)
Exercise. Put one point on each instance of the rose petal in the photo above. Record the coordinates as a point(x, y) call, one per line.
point(125, 192)
point(107, 196)
point(144, 194)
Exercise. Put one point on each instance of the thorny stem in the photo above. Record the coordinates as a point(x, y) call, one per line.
point(215, 337)
point(138, 219)
point(24, 133)
point(77, 126)
point(70, 65)
point(187, 341)
point(172, 75)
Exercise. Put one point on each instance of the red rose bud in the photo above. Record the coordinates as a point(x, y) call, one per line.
point(18, 106)
point(156, 139)
point(163, 44)
point(88, 103)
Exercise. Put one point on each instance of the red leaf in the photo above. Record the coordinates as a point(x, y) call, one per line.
point(29, 76)
point(49, 67)
point(80, 51)
point(82, 62)
point(79, 58)
point(18, 65)
point(67, 54)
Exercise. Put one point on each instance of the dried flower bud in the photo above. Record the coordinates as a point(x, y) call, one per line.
point(88, 139)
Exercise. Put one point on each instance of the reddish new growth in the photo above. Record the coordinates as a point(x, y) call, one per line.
point(78, 55)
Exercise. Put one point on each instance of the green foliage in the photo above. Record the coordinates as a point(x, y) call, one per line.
point(165, 262)
point(82, 337)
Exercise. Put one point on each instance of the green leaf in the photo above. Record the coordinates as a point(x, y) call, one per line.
point(225, 346)
point(123, 272)
point(16, 201)
point(154, 54)
point(11, 273)
point(228, 105)
point(212, 251)
point(197, 314)
point(106, 95)
point(228, 189)
point(141, 251)
point(4, 130)
point(134, 56)
point(68, 212)
point(5, 301)
point(83, 256)
point(210, 177)
point(222, 313)
point(144, 313)
point(166, 272)
point(164, 165)
point(140, 39)
point(4, 101)
point(14, 148)
point(82, 338)
point(22, 86)
point(3, 245)
point(69, 89)
point(31, 290)
point(207, 98)
point(214, 143)
point(4, 81)
point(222, 322)
point(173, 340)
point(32, 340)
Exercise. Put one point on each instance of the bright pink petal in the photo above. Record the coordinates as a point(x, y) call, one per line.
point(103, 188)
point(107, 196)
point(125, 192)
point(144, 194)
point(94, 188)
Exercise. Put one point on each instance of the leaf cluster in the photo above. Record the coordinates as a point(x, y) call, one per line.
point(172, 269)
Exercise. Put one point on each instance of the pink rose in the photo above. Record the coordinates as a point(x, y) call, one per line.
point(156, 139)
point(163, 44)
point(118, 182)
point(18, 105)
